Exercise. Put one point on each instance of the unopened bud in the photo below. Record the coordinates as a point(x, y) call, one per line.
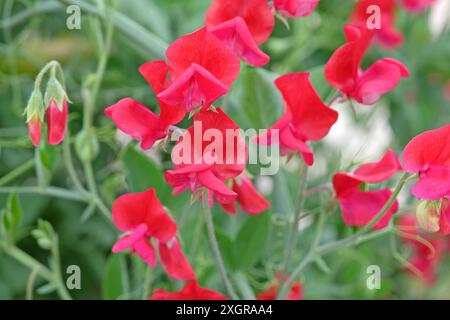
point(87, 145)
point(428, 216)
point(55, 92)
point(35, 116)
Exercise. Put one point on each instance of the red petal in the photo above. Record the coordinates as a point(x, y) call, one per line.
point(190, 291)
point(379, 78)
point(127, 241)
point(341, 70)
point(136, 120)
point(174, 261)
point(256, 13)
point(250, 200)
point(35, 131)
point(311, 118)
point(204, 49)
point(222, 193)
point(194, 87)
point(360, 207)
point(133, 209)
point(416, 6)
point(295, 8)
point(56, 122)
point(234, 34)
point(145, 251)
point(155, 72)
point(379, 171)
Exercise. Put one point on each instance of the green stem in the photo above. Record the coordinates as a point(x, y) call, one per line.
point(56, 262)
point(215, 248)
point(293, 232)
point(48, 191)
point(28, 261)
point(67, 156)
point(17, 172)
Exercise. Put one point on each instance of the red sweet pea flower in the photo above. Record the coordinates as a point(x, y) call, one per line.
point(190, 291)
point(343, 69)
point(416, 6)
point(235, 35)
point(142, 216)
point(56, 122)
point(360, 207)
point(306, 117)
point(428, 155)
point(35, 130)
point(202, 69)
point(210, 152)
point(249, 199)
point(295, 8)
point(257, 15)
point(295, 292)
point(425, 259)
point(137, 121)
point(386, 35)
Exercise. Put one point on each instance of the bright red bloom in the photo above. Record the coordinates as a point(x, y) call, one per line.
point(359, 207)
point(56, 122)
point(249, 199)
point(425, 258)
point(416, 6)
point(35, 130)
point(343, 69)
point(306, 117)
point(257, 15)
point(202, 70)
point(190, 291)
point(295, 292)
point(211, 152)
point(143, 217)
point(428, 155)
point(235, 35)
point(137, 121)
point(386, 35)
point(295, 8)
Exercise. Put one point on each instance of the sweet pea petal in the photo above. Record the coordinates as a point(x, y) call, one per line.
point(174, 261)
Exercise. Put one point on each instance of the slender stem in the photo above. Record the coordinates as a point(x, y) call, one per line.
point(48, 191)
point(215, 248)
point(293, 232)
point(56, 263)
point(17, 172)
point(92, 185)
point(147, 283)
point(67, 155)
point(28, 261)
point(30, 284)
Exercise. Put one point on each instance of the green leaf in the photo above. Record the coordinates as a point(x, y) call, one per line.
point(15, 211)
point(113, 278)
point(46, 158)
point(251, 240)
point(142, 173)
point(227, 246)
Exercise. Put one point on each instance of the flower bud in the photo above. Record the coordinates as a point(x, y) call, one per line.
point(87, 145)
point(56, 122)
point(35, 115)
point(428, 217)
point(56, 93)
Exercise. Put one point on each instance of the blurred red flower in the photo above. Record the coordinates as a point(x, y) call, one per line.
point(190, 291)
point(295, 8)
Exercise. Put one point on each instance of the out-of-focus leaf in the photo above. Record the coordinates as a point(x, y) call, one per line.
point(227, 247)
point(251, 240)
point(113, 279)
point(142, 173)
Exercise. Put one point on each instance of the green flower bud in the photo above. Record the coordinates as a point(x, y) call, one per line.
point(87, 145)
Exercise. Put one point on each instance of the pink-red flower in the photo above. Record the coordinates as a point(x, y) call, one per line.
point(256, 14)
point(200, 70)
point(211, 152)
point(242, 26)
point(142, 216)
point(426, 253)
point(248, 198)
point(306, 117)
point(416, 6)
point(137, 121)
point(428, 155)
point(295, 8)
point(190, 291)
point(56, 122)
point(386, 34)
point(359, 207)
point(343, 70)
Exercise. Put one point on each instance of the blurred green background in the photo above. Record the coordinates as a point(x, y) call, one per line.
point(34, 32)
